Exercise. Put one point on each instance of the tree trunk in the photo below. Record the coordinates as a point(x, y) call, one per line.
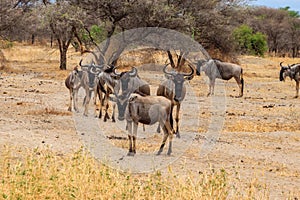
point(51, 41)
point(63, 59)
point(32, 38)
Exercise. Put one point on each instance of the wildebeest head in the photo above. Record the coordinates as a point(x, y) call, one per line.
point(200, 63)
point(123, 89)
point(93, 71)
point(178, 80)
point(284, 72)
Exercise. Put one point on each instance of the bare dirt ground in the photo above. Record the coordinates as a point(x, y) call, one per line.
point(259, 141)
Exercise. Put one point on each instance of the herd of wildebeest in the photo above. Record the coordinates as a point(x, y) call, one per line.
point(132, 95)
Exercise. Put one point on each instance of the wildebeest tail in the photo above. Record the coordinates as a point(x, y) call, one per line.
point(242, 81)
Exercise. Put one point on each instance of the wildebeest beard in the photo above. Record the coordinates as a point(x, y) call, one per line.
point(122, 102)
point(91, 80)
point(178, 91)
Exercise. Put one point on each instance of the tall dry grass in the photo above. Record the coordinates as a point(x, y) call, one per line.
point(42, 174)
point(42, 60)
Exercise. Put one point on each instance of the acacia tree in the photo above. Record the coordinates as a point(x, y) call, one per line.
point(116, 16)
point(64, 21)
point(214, 22)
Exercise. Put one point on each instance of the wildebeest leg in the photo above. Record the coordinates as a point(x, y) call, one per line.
point(297, 89)
point(129, 125)
point(71, 99)
point(211, 86)
point(167, 131)
point(240, 84)
point(100, 102)
point(106, 106)
point(87, 101)
point(161, 148)
point(96, 94)
point(170, 134)
point(135, 126)
point(177, 120)
point(113, 113)
point(75, 99)
point(158, 128)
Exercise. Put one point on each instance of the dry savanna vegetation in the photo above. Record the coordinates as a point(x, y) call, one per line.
point(256, 155)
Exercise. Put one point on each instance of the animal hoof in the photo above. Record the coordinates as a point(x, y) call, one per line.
point(113, 120)
point(169, 153)
point(158, 153)
point(130, 154)
point(69, 109)
point(177, 135)
point(295, 97)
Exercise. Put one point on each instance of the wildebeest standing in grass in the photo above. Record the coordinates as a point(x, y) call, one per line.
point(148, 110)
point(292, 71)
point(222, 70)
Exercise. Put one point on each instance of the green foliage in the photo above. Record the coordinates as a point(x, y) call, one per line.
point(249, 42)
point(96, 33)
point(292, 13)
point(259, 44)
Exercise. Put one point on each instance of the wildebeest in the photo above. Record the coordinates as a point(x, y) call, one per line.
point(73, 82)
point(128, 83)
point(106, 83)
point(148, 110)
point(84, 78)
point(222, 70)
point(292, 71)
point(174, 89)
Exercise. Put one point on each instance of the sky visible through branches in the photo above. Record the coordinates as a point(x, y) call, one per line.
point(293, 4)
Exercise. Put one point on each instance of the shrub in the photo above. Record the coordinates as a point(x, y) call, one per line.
point(249, 42)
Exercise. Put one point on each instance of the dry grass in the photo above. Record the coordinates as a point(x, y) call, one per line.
point(49, 111)
point(42, 60)
point(41, 174)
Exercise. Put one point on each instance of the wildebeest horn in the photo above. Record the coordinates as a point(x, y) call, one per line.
point(165, 71)
point(115, 72)
point(133, 72)
point(281, 64)
point(80, 64)
point(191, 73)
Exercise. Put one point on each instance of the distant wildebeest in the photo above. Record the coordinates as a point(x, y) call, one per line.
point(222, 70)
point(81, 78)
point(292, 71)
point(174, 89)
point(148, 110)
point(76, 79)
point(128, 82)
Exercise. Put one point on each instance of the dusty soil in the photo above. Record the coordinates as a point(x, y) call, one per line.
point(258, 143)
